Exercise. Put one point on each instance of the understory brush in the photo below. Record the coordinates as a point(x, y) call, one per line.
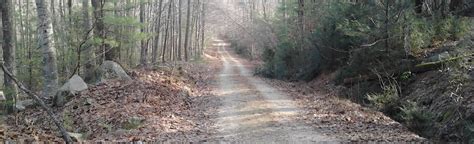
point(285, 62)
point(386, 101)
point(417, 119)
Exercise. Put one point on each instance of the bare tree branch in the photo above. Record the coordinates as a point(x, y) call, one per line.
point(38, 100)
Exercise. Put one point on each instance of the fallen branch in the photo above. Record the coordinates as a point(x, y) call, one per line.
point(63, 131)
point(419, 68)
point(424, 67)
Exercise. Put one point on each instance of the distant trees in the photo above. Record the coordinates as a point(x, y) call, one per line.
point(458, 7)
point(57, 39)
point(307, 37)
point(174, 48)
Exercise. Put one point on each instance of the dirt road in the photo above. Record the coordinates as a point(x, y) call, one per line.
point(253, 111)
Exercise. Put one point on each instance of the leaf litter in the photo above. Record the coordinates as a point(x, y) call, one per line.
point(341, 118)
point(167, 103)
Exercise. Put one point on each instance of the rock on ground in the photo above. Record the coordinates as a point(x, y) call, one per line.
point(439, 57)
point(2, 96)
point(112, 70)
point(74, 85)
point(70, 88)
point(22, 105)
point(77, 137)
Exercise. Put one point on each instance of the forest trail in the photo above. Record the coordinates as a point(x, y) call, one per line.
point(254, 111)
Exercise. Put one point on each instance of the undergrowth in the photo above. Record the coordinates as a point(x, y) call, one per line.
point(416, 119)
point(387, 100)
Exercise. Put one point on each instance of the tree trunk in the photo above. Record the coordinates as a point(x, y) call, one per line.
point(46, 44)
point(193, 24)
point(301, 23)
point(30, 51)
point(9, 52)
point(180, 6)
point(144, 47)
point(456, 5)
point(386, 23)
point(203, 27)
point(264, 3)
point(419, 6)
point(188, 23)
point(89, 60)
point(173, 33)
point(69, 10)
point(157, 38)
point(100, 32)
point(163, 54)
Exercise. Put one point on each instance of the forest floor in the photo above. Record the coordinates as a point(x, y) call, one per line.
point(216, 99)
point(167, 103)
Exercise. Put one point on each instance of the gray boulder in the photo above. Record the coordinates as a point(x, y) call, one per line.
point(71, 88)
point(112, 70)
point(74, 85)
point(2, 96)
point(24, 104)
point(186, 91)
point(76, 137)
point(439, 57)
point(471, 73)
point(134, 123)
point(470, 111)
point(20, 107)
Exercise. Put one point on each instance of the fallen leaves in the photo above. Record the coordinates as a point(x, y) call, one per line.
point(169, 104)
point(341, 118)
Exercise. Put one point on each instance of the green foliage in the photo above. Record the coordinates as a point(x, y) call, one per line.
point(268, 55)
point(122, 21)
point(362, 62)
point(133, 123)
point(417, 119)
point(5, 104)
point(460, 26)
point(345, 26)
point(420, 33)
point(68, 121)
point(353, 28)
point(277, 62)
point(387, 100)
point(104, 125)
point(241, 49)
point(406, 75)
point(426, 31)
point(355, 35)
point(450, 27)
point(469, 131)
